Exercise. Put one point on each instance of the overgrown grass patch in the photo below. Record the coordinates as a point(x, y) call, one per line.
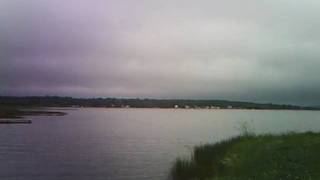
point(265, 157)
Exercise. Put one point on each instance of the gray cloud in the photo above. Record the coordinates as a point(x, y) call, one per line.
point(264, 51)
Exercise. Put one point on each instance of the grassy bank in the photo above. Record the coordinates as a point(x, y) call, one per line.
point(9, 112)
point(266, 157)
point(17, 112)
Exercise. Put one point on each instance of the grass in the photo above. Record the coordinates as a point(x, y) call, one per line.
point(9, 112)
point(290, 156)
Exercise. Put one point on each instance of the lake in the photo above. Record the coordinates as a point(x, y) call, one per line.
point(127, 144)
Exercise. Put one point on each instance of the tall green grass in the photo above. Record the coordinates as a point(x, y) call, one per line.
point(288, 156)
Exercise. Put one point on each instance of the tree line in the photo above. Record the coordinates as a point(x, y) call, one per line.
point(56, 101)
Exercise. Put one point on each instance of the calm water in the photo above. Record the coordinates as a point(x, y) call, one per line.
point(126, 144)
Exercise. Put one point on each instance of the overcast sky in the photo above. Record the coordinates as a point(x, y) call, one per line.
point(249, 50)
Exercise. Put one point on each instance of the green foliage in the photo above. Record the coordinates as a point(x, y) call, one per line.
point(266, 157)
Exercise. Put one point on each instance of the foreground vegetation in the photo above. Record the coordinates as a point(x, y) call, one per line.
point(289, 156)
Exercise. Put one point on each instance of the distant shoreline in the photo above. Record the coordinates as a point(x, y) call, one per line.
point(16, 113)
point(223, 109)
point(70, 102)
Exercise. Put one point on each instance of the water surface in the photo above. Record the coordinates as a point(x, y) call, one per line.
point(126, 144)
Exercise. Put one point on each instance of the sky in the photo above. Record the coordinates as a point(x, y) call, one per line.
point(248, 50)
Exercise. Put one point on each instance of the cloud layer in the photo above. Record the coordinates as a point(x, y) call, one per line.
point(248, 50)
